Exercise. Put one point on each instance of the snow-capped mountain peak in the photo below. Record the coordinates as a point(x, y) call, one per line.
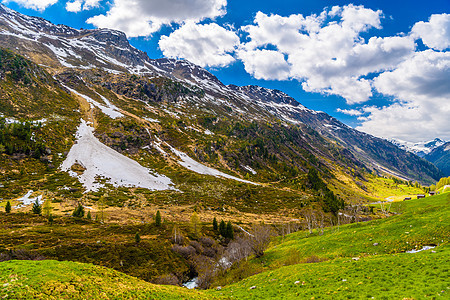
point(420, 148)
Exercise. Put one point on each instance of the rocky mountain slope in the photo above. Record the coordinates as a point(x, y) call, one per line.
point(440, 156)
point(211, 141)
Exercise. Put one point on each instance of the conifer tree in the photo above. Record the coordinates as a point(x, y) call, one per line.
point(36, 208)
point(158, 219)
point(78, 211)
point(215, 225)
point(88, 216)
point(8, 207)
point(222, 228)
point(229, 233)
point(137, 238)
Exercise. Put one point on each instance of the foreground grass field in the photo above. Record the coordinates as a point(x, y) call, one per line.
point(359, 261)
point(49, 279)
point(421, 222)
point(423, 275)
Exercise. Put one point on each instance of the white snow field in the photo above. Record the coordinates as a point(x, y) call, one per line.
point(26, 200)
point(101, 161)
point(197, 167)
point(110, 110)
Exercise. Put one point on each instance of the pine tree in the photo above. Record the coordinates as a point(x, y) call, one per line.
point(137, 237)
point(36, 208)
point(88, 216)
point(78, 211)
point(8, 207)
point(215, 225)
point(158, 219)
point(222, 228)
point(229, 231)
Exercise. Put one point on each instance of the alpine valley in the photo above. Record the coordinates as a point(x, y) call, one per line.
point(153, 150)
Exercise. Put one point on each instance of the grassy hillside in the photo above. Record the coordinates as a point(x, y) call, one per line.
point(354, 268)
point(419, 222)
point(402, 276)
point(51, 279)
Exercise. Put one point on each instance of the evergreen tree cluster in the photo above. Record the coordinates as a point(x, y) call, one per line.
point(225, 229)
point(20, 138)
point(79, 211)
point(331, 201)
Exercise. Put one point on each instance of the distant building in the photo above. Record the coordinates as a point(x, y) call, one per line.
point(420, 196)
point(407, 198)
point(432, 193)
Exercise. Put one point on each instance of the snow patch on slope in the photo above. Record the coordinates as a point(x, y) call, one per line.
point(102, 161)
point(110, 110)
point(199, 168)
point(26, 200)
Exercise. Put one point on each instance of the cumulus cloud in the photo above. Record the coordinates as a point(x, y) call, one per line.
point(144, 17)
point(74, 6)
point(205, 45)
point(326, 51)
point(33, 4)
point(79, 5)
point(265, 64)
point(350, 112)
point(435, 33)
point(422, 83)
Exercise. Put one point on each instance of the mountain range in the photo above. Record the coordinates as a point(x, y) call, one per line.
point(174, 119)
point(420, 148)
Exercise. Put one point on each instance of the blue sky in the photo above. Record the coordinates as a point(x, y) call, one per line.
point(382, 67)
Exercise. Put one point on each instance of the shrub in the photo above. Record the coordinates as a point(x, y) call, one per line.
point(20, 254)
point(260, 239)
point(185, 252)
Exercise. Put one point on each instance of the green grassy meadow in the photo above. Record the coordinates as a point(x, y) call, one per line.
point(365, 260)
point(49, 279)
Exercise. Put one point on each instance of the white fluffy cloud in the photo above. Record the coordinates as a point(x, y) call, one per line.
point(144, 17)
point(33, 4)
point(423, 85)
point(326, 52)
point(204, 45)
point(265, 64)
point(350, 112)
point(435, 33)
point(79, 5)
